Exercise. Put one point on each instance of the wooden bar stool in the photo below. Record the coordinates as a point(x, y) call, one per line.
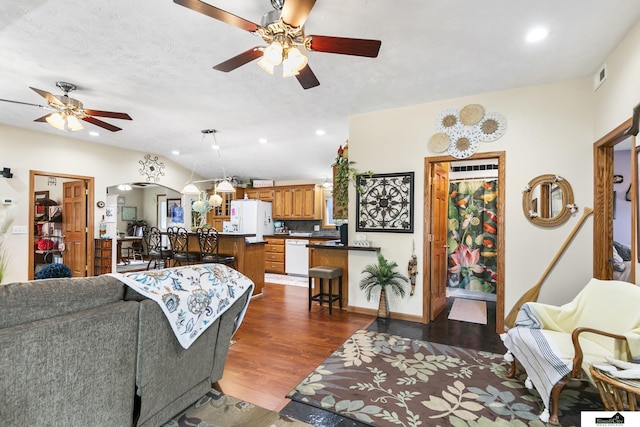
point(322, 272)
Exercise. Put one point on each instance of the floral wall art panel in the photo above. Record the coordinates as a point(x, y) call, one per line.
point(472, 239)
point(384, 202)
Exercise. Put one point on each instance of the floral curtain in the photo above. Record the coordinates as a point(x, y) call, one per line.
point(472, 235)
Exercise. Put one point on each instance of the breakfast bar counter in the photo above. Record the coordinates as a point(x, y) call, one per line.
point(335, 254)
point(249, 255)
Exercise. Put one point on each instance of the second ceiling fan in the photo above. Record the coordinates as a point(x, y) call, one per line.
point(283, 31)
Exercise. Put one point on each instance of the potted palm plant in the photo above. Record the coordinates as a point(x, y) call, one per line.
point(383, 274)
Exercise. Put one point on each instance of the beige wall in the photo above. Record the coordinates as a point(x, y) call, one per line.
point(24, 150)
point(551, 129)
point(620, 92)
point(546, 126)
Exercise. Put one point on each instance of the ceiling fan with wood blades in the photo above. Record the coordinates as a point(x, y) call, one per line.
point(283, 30)
point(68, 111)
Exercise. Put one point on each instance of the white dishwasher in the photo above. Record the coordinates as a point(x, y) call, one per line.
point(296, 257)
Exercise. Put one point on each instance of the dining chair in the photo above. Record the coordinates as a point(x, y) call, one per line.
point(152, 238)
point(208, 240)
point(179, 240)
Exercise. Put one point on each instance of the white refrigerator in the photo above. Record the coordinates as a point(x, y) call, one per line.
point(252, 217)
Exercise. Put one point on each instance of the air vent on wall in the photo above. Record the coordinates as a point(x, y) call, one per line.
point(600, 76)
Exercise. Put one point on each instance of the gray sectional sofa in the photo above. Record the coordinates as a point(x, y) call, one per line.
point(92, 352)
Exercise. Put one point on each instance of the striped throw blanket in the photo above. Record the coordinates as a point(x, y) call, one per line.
point(539, 352)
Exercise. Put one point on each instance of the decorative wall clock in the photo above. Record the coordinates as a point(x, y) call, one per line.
point(384, 202)
point(151, 167)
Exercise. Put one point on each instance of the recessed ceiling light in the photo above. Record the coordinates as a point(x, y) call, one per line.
point(262, 140)
point(215, 146)
point(320, 132)
point(94, 133)
point(537, 34)
point(175, 152)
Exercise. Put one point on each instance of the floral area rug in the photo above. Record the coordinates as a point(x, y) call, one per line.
point(220, 410)
point(386, 380)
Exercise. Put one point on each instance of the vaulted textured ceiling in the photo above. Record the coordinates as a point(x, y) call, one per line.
point(153, 59)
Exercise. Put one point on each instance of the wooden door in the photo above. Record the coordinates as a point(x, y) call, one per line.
point(603, 203)
point(439, 206)
point(74, 226)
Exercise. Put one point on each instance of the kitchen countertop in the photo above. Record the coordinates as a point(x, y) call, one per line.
point(315, 237)
point(335, 244)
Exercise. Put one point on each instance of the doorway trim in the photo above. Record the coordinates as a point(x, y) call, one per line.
point(429, 162)
point(603, 201)
point(90, 214)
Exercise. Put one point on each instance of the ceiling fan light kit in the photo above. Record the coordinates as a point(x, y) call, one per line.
point(69, 111)
point(283, 30)
point(64, 121)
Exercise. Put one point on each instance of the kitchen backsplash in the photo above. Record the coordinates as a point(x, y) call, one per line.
point(307, 226)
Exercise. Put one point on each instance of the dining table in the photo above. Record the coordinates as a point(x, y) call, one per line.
point(122, 239)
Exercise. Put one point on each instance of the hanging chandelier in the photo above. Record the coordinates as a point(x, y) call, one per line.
point(221, 185)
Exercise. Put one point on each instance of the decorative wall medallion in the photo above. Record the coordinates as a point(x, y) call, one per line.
point(384, 202)
point(439, 142)
point(492, 126)
point(471, 114)
point(447, 120)
point(464, 143)
point(465, 129)
point(151, 167)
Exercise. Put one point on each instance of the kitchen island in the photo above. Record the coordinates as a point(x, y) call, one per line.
point(249, 255)
point(335, 254)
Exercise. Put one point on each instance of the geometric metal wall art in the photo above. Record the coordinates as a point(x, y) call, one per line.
point(151, 167)
point(384, 202)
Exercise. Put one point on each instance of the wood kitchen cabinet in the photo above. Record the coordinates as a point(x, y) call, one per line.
point(218, 215)
point(291, 201)
point(298, 202)
point(307, 202)
point(274, 255)
point(282, 203)
point(264, 194)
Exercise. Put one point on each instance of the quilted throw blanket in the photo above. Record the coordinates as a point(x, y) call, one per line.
point(192, 297)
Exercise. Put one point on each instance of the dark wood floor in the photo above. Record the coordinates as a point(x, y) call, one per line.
point(280, 342)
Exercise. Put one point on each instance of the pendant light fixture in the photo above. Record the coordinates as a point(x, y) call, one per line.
point(222, 185)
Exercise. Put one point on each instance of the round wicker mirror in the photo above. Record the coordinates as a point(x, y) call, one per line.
point(547, 200)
